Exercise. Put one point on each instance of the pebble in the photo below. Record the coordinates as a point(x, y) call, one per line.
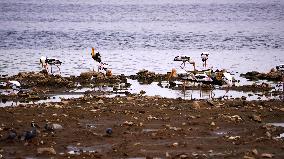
point(48, 150)
point(196, 105)
point(268, 134)
point(175, 144)
point(100, 101)
point(248, 157)
point(256, 118)
point(267, 155)
point(255, 152)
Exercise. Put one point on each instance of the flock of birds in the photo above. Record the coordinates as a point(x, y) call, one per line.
point(30, 134)
point(27, 136)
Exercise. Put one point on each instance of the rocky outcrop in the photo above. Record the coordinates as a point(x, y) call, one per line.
point(273, 75)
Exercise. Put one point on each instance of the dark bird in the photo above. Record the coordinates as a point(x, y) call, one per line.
point(109, 131)
point(28, 135)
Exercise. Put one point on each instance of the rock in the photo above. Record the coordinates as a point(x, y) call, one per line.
point(129, 98)
point(183, 156)
point(175, 144)
point(212, 123)
point(281, 109)
point(48, 150)
point(256, 118)
point(100, 101)
point(273, 70)
point(268, 134)
point(267, 155)
point(86, 75)
point(168, 155)
point(57, 106)
point(196, 105)
point(236, 118)
point(57, 126)
point(248, 157)
point(255, 152)
point(234, 137)
point(128, 123)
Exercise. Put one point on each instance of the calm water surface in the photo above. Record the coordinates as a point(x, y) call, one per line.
point(131, 35)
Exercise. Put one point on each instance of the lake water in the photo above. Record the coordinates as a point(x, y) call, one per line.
point(240, 35)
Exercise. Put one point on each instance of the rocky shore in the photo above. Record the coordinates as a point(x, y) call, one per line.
point(135, 125)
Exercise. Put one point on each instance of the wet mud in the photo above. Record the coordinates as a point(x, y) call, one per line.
point(145, 127)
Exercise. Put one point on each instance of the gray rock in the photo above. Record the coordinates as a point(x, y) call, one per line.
point(57, 126)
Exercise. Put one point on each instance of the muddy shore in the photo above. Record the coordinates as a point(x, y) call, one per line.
point(137, 126)
point(146, 127)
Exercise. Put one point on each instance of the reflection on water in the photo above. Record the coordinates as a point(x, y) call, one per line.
point(152, 89)
point(53, 98)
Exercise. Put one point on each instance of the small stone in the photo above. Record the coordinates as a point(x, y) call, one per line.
point(128, 123)
point(248, 157)
point(57, 126)
point(234, 137)
point(212, 123)
point(267, 155)
point(256, 118)
point(65, 102)
point(48, 150)
point(268, 134)
point(255, 152)
point(129, 98)
point(57, 106)
point(196, 105)
point(100, 101)
point(168, 155)
point(175, 144)
point(183, 156)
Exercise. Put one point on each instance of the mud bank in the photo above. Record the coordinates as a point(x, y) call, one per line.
point(145, 127)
